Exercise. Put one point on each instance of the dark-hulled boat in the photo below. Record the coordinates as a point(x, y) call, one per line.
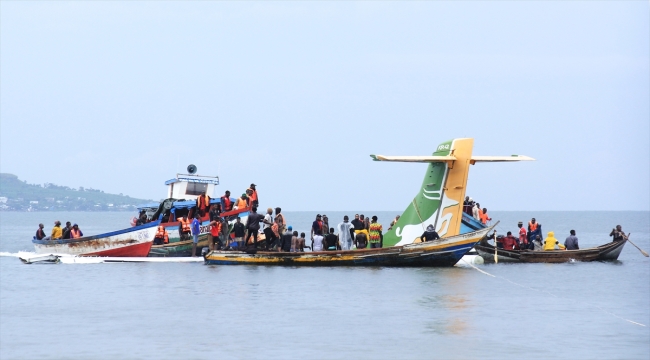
point(606, 252)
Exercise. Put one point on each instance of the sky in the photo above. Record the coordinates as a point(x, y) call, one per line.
point(295, 96)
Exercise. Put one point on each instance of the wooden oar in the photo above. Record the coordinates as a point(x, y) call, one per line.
point(496, 258)
point(642, 252)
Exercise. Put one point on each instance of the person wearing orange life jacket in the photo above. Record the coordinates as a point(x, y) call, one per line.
point(213, 235)
point(203, 204)
point(484, 216)
point(226, 203)
point(184, 228)
point(523, 239)
point(75, 233)
point(252, 194)
point(532, 225)
point(161, 236)
point(241, 202)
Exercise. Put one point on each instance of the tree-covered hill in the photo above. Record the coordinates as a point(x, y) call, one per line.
point(17, 195)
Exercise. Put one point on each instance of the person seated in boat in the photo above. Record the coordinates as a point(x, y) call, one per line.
point(57, 232)
point(571, 242)
point(361, 240)
point(288, 241)
point(162, 237)
point(429, 234)
point(509, 242)
point(184, 230)
point(331, 240)
point(40, 234)
point(226, 203)
point(66, 230)
point(203, 204)
point(551, 242)
point(618, 234)
point(537, 243)
point(484, 217)
point(75, 232)
point(241, 203)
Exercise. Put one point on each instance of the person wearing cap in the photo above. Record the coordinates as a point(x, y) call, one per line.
point(287, 237)
point(40, 234)
point(346, 231)
point(75, 233)
point(253, 195)
point(523, 238)
point(57, 232)
point(376, 237)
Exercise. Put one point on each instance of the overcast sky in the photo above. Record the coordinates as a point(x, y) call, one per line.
point(294, 96)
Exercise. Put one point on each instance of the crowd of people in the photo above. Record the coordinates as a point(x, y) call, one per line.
point(530, 238)
point(70, 231)
point(473, 209)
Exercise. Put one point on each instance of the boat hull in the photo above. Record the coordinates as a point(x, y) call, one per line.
point(443, 252)
point(606, 252)
point(131, 242)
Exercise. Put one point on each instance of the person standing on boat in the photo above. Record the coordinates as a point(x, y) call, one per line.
point(162, 237)
point(202, 204)
point(618, 234)
point(346, 229)
point(239, 231)
point(376, 236)
point(267, 229)
point(253, 195)
point(317, 231)
point(550, 242)
point(40, 234)
point(331, 240)
point(280, 220)
point(484, 217)
point(467, 206)
point(361, 240)
point(75, 233)
point(213, 235)
point(253, 226)
point(287, 238)
point(476, 212)
point(571, 242)
point(326, 225)
point(429, 234)
point(523, 239)
point(226, 203)
point(195, 227)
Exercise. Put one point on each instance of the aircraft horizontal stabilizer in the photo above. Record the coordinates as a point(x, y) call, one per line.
point(501, 158)
point(431, 159)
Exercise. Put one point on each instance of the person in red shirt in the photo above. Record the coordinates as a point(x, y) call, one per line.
point(509, 242)
point(523, 238)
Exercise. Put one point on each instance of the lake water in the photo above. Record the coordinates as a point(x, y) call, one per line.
point(194, 311)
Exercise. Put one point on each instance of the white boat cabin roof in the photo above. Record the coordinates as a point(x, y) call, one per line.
point(185, 186)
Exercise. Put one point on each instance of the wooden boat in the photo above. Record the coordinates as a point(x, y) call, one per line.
point(131, 242)
point(606, 252)
point(443, 252)
point(439, 204)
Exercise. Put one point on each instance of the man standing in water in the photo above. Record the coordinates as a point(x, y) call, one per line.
point(195, 227)
point(618, 234)
point(345, 233)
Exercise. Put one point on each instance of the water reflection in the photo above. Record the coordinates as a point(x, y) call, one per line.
point(447, 292)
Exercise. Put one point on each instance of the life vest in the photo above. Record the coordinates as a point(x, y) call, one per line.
point(532, 226)
point(185, 224)
point(241, 203)
point(522, 235)
point(75, 234)
point(162, 234)
point(203, 201)
point(484, 217)
point(253, 194)
point(227, 203)
point(215, 229)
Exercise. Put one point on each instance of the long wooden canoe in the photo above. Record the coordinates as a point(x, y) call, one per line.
point(606, 252)
point(442, 252)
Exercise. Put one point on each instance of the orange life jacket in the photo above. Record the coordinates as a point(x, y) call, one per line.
point(227, 203)
point(484, 217)
point(185, 224)
point(215, 229)
point(162, 233)
point(241, 203)
point(532, 226)
point(203, 201)
point(74, 234)
point(253, 194)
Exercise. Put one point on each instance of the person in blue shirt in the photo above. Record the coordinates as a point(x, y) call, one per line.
point(195, 227)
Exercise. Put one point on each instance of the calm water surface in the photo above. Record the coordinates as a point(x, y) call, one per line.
point(193, 311)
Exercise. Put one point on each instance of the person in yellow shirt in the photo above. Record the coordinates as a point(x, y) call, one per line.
point(57, 232)
point(551, 241)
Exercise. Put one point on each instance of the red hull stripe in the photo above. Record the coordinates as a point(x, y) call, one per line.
point(138, 250)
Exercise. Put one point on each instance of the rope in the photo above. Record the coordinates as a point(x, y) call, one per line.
point(544, 291)
point(415, 205)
